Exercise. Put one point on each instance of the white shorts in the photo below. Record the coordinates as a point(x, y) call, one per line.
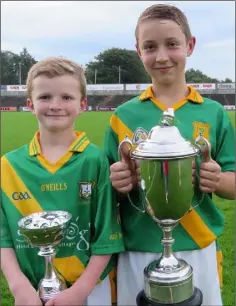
point(130, 278)
point(101, 294)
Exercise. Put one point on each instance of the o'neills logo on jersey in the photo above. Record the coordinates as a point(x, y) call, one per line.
point(54, 187)
point(17, 196)
point(85, 189)
point(139, 136)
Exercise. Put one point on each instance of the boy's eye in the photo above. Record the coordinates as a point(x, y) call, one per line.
point(148, 47)
point(44, 97)
point(67, 98)
point(172, 44)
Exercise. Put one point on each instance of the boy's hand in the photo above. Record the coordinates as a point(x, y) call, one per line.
point(27, 295)
point(68, 297)
point(209, 176)
point(125, 174)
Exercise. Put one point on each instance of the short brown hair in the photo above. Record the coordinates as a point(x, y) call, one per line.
point(57, 66)
point(167, 12)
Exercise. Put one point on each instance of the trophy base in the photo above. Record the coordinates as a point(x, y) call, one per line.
point(168, 280)
point(195, 300)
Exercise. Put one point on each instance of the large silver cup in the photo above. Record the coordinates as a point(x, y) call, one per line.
point(167, 194)
point(45, 230)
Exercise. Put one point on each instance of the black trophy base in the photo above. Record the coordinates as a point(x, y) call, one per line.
point(195, 300)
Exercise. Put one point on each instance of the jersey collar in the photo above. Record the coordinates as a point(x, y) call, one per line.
point(193, 96)
point(78, 145)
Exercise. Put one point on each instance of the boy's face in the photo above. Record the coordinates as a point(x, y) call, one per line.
point(163, 49)
point(56, 102)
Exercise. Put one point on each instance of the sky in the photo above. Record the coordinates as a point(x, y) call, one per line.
point(80, 30)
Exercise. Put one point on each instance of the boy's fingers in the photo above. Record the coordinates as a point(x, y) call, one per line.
point(122, 183)
point(117, 176)
point(125, 189)
point(118, 167)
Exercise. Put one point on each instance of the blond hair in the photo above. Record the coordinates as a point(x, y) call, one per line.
point(57, 66)
point(167, 12)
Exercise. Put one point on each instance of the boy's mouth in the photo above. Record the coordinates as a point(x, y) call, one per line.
point(55, 115)
point(164, 68)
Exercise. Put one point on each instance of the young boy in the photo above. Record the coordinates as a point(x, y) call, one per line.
point(164, 41)
point(60, 170)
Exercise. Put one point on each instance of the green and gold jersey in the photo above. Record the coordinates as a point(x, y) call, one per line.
point(136, 118)
point(78, 183)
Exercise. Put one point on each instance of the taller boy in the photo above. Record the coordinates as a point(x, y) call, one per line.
point(164, 41)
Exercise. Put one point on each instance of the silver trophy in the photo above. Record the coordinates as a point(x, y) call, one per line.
point(45, 230)
point(167, 194)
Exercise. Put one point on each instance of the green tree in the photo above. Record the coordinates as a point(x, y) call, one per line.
point(116, 65)
point(14, 67)
point(26, 62)
point(197, 76)
point(227, 80)
point(9, 68)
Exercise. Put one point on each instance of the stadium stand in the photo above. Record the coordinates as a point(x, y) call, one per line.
point(109, 100)
point(13, 101)
point(224, 99)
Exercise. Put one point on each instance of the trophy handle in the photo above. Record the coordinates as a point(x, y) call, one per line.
point(124, 150)
point(205, 148)
point(125, 147)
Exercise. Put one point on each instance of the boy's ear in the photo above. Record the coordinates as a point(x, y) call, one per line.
point(191, 45)
point(83, 104)
point(30, 105)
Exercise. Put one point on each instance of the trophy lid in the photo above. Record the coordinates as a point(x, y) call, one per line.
point(165, 142)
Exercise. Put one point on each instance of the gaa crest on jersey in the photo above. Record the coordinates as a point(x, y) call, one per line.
point(139, 136)
point(85, 189)
point(203, 128)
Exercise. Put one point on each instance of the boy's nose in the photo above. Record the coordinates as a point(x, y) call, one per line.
point(162, 56)
point(55, 103)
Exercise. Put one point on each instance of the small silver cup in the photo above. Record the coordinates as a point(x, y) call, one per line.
point(45, 230)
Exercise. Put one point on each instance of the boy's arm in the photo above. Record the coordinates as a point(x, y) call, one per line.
point(91, 275)
point(9, 264)
point(11, 269)
point(225, 157)
point(226, 189)
point(81, 289)
point(18, 283)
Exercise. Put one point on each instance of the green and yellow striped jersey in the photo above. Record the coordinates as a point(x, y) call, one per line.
point(78, 183)
point(136, 118)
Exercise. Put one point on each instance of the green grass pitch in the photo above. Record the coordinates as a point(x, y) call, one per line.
point(18, 129)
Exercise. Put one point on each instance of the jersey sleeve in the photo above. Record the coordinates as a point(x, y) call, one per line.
point(225, 148)
point(110, 148)
point(6, 237)
point(107, 238)
point(111, 142)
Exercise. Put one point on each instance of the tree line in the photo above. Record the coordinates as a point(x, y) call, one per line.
point(112, 66)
